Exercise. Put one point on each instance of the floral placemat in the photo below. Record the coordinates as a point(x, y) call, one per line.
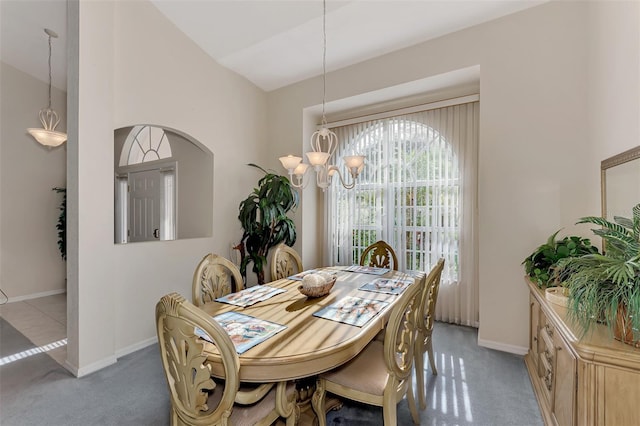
point(250, 296)
point(386, 285)
point(245, 331)
point(367, 269)
point(352, 310)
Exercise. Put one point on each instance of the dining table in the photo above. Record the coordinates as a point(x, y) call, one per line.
point(309, 344)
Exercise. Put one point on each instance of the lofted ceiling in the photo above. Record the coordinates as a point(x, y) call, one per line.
point(272, 43)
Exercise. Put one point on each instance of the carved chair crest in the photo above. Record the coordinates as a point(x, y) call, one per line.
point(379, 255)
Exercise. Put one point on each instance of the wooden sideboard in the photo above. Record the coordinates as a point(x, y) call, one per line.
point(593, 380)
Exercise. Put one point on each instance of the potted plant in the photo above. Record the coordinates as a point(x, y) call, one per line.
point(263, 215)
point(606, 287)
point(540, 265)
point(61, 226)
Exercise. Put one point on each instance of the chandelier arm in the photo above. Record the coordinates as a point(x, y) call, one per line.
point(300, 181)
point(294, 184)
point(346, 185)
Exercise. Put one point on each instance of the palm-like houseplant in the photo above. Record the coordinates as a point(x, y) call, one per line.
point(263, 215)
point(606, 287)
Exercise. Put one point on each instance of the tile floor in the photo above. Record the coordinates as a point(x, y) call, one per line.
point(42, 320)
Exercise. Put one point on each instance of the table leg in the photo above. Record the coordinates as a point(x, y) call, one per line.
point(304, 391)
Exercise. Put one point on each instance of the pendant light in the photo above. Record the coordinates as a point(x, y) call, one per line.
point(48, 136)
point(323, 143)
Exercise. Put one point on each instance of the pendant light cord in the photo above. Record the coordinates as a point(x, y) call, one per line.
point(49, 107)
point(324, 59)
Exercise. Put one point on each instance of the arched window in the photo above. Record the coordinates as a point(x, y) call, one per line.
point(143, 144)
point(410, 193)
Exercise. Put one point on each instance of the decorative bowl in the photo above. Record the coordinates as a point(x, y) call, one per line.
point(556, 295)
point(315, 289)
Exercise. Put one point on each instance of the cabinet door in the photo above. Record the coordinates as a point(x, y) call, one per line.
point(564, 390)
point(620, 392)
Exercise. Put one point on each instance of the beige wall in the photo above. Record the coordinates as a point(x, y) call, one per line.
point(154, 75)
point(552, 106)
point(537, 165)
point(28, 207)
point(614, 79)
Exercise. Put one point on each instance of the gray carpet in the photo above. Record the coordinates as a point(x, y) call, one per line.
point(37, 391)
point(475, 386)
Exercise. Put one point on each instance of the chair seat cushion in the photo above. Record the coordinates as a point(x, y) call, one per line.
point(249, 415)
point(367, 372)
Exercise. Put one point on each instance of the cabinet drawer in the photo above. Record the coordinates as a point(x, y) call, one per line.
point(547, 331)
point(545, 370)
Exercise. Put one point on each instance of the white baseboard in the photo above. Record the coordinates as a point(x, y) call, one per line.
point(136, 347)
point(35, 295)
point(513, 349)
point(72, 368)
point(91, 368)
point(99, 365)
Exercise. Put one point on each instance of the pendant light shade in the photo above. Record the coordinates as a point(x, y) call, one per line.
point(48, 135)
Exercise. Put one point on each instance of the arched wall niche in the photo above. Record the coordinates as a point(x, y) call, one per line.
point(163, 185)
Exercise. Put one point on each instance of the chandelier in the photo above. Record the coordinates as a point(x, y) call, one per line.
point(323, 143)
point(48, 136)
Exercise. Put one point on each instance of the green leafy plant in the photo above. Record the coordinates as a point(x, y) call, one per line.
point(263, 215)
point(541, 264)
point(601, 286)
point(61, 226)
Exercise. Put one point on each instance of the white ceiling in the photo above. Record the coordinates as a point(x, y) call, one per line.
point(273, 43)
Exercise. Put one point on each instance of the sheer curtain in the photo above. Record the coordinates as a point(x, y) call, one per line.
point(418, 192)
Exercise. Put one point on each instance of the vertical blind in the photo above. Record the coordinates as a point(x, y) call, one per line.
point(418, 193)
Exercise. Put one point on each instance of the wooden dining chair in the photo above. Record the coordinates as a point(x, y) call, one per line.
point(379, 255)
point(285, 262)
point(424, 341)
point(196, 399)
point(215, 277)
point(380, 374)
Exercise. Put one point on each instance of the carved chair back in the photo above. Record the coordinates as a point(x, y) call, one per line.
point(215, 277)
point(285, 262)
point(191, 388)
point(425, 319)
point(379, 255)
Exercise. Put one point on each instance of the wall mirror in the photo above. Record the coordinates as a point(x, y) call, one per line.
point(620, 178)
point(163, 185)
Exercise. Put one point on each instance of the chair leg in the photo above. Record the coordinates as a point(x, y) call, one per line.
point(389, 412)
point(413, 409)
point(317, 402)
point(432, 360)
point(418, 361)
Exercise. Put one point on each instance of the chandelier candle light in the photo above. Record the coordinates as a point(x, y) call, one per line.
point(323, 143)
point(48, 136)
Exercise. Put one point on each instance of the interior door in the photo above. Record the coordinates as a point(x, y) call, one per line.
point(145, 192)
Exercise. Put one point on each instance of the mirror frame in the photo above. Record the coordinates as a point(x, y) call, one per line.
point(616, 160)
